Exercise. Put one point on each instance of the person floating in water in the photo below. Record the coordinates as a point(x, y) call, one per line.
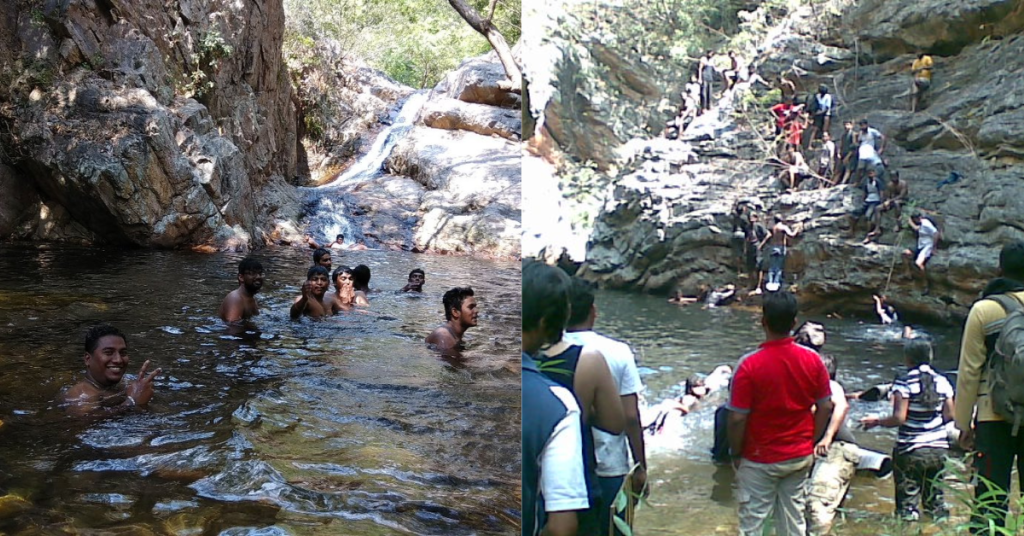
point(416, 279)
point(102, 391)
point(310, 302)
point(460, 311)
point(339, 242)
point(240, 304)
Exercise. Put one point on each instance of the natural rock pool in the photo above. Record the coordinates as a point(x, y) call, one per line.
point(690, 495)
point(344, 426)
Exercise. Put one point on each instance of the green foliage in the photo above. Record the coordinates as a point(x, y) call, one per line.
point(413, 41)
point(197, 78)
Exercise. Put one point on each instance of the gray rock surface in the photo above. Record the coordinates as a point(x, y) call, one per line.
point(451, 114)
point(476, 81)
point(472, 189)
point(100, 120)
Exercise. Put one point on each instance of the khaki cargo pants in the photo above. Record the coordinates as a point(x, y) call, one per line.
point(766, 488)
point(827, 486)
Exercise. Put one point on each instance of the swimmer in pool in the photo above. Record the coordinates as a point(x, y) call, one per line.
point(310, 302)
point(416, 279)
point(240, 304)
point(345, 295)
point(102, 391)
point(461, 312)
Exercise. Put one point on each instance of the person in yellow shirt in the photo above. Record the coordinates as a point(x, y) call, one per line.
point(988, 434)
point(921, 70)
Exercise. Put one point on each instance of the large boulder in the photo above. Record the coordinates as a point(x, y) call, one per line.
point(478, 80)
point(887, 29)
point(451, 114)
point(151, 124)
point(472, 190)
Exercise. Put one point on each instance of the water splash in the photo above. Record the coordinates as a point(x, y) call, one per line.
point(326, 211)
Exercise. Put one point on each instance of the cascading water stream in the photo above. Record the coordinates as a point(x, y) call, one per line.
point(326, 212)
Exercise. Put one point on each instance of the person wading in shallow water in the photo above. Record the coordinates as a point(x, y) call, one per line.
point(460, 311)
point(240, 304)
point(772, 425)
point(102, 391)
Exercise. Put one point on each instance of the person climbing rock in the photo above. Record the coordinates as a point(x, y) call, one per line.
point(927, 238)
point(870, 146)
point(797, 168)
point(847, 152)
point(897, 193)
point(774, 263)
point(921, 74)
point(869, 210)
point(732, 73)
point(826, 160)
point(756, 237)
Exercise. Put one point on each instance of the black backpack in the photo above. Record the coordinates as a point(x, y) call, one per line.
point(1006, 363)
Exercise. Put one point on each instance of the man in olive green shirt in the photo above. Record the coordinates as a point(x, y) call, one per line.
point(986, 432)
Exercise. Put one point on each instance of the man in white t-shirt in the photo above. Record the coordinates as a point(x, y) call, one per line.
point(927, 238)
point(613, 451)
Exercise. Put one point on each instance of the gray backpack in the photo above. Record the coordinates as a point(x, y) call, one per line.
point(1006, 362)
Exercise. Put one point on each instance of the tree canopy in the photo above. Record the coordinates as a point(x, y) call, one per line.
point(414, 41)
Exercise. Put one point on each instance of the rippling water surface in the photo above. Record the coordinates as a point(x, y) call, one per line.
point(344, 426)
point(691, 496)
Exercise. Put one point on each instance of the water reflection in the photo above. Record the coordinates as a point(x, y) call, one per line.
point(343, 426)
point(691, 496)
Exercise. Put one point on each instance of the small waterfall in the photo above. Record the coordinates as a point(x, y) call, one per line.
point(326, 211)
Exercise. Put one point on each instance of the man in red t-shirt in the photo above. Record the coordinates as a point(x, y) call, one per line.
point(772, 428)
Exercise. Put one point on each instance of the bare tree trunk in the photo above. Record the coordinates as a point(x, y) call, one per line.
point(514, 83)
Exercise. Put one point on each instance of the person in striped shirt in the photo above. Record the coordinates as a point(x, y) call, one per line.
point(922, 405)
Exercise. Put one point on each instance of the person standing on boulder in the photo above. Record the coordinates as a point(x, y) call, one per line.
point(870, 146)
point(772, 427)
point(705, 77)
point(921, 72)
point(869, 210)
point(847, 152)
point(822, 106)
point(775, 262)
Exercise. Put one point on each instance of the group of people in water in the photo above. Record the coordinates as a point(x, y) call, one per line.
point(103, 391)
point(784, 426)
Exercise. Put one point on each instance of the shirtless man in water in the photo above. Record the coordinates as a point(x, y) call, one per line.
point(460, 311)
point(102, 392)
point(240, 304)
point(310, 302)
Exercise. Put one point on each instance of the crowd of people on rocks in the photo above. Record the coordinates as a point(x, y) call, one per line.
point(784, 427)
point(103, 389)
point(809, 154)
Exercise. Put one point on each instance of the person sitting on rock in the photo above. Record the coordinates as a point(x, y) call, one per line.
point(102, 391)
point(897, 193)
point(416, 279)
point(869, 210)
point(460, 311)
point(927, 238)
point(310, 301)
point(921, 73)
point(240, 304)
point(796, 167)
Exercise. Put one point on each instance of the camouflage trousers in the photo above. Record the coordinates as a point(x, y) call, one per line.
point(830, 478)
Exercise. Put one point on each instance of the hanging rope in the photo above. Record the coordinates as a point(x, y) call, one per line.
point(892, 266)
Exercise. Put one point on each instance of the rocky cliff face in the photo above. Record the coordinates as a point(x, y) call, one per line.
point(146, 122)
point(665, 220)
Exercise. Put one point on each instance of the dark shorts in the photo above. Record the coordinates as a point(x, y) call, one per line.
point(917, 253)
point(922, 84)
point(819, 121)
